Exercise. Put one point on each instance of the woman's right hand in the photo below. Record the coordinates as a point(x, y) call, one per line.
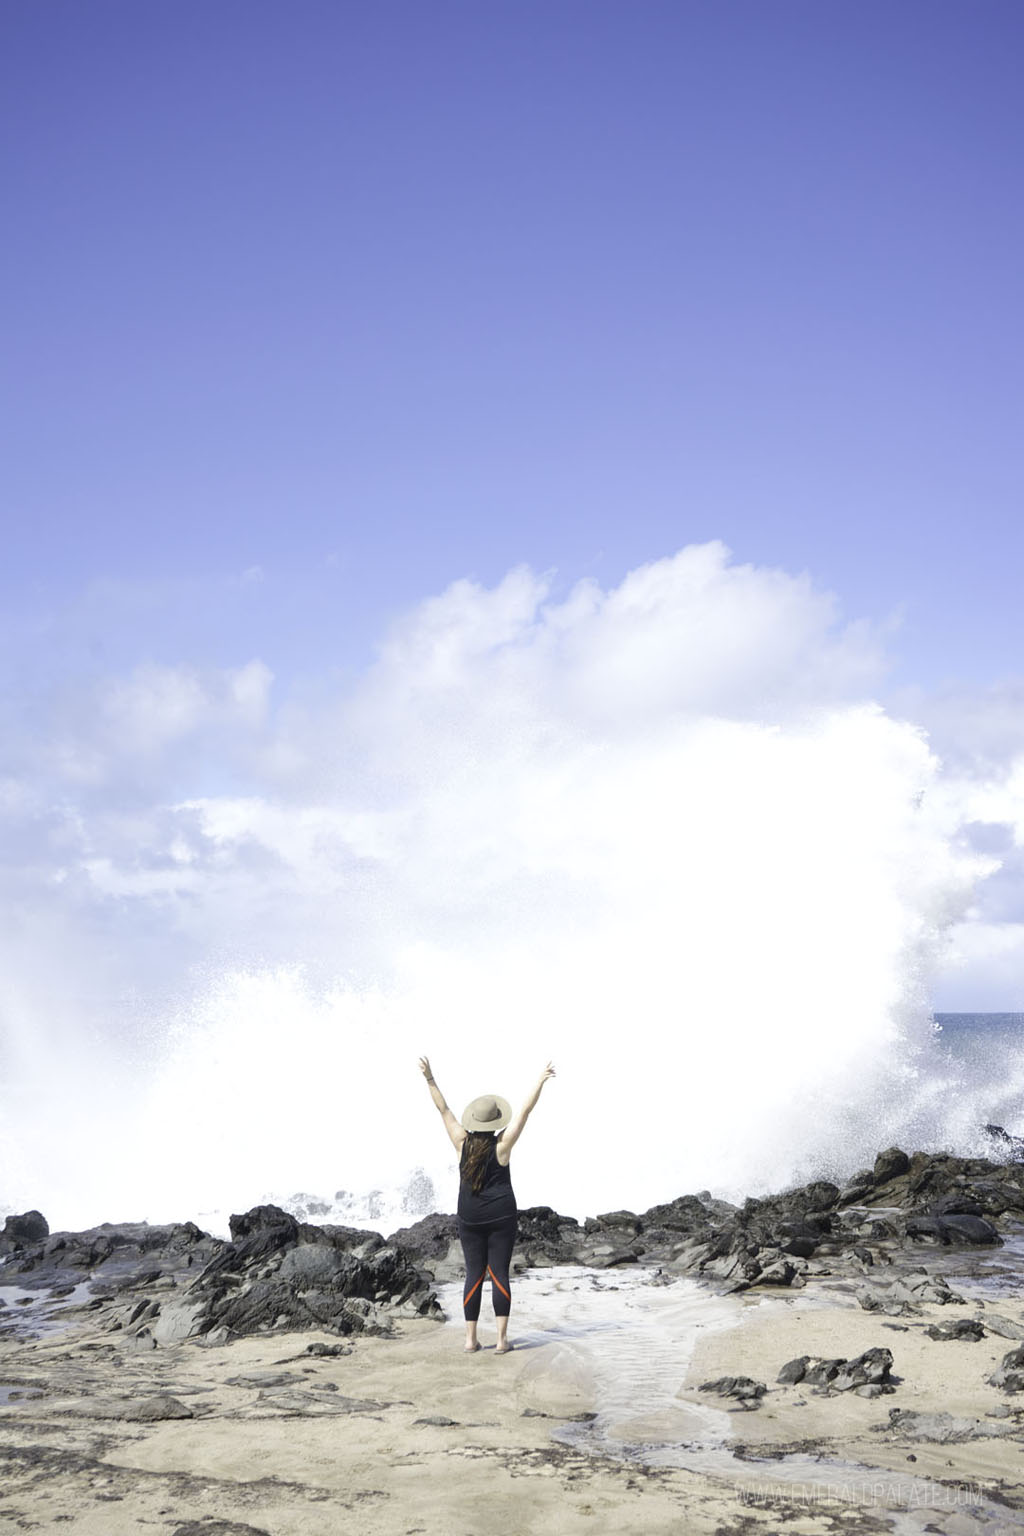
point(425, 1068)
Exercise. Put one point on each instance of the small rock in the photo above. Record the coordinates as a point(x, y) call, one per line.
point(963, 1328)
point(744, 1389)
point(218, 1528)
point(779, 1273)
point(163, 1406)
point(438, 1420)
point(942, 1428)
point(264, 1379)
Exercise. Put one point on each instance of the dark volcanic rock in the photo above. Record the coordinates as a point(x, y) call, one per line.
point(618, 1221)
point(263, 1219)
point(1010, 1374)
point(889, 1164)
point(905, 1295)
point(856, 1187)
point(687, 1214)
point(278, 1275)
point(22, 1231)
point(747, 1392)
point(152, 1409)
point(66, 1258)
point(162, 1284)
point(428, 1239)
point(968, 1328)
point(1004, 1145)
point(820, 1372)
point(545, 1237)
point(943, 1428)
point(218, 1528)
point(958, 1203)
point(964, 1228)
point(868, 1374)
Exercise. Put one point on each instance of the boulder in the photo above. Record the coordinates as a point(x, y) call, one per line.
point(22, 1231)
point(617, 1221)
point(1009, 1376)
point(262, 1219)
point(427, 1239)
point(689, 1213)
point(793, 1371)
point(545, 1237)
point(952, 1228)
point(889, 1164)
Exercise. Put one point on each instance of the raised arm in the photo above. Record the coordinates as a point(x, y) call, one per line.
point(451, 1125)
point(512, 1132)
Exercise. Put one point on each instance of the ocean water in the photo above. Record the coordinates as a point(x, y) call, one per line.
point(972, 1037)
point(981, 1057)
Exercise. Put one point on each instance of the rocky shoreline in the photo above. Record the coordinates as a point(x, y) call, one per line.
point(162, 1284)
point(105, 1337)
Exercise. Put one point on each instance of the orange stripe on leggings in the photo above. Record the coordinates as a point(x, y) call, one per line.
point(469, 1294)
point(497, 1282)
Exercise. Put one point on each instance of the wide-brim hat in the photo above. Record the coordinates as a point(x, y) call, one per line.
point(488, 1113)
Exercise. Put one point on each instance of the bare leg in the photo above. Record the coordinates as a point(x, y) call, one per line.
point(471, 1339)
point(503, 1346)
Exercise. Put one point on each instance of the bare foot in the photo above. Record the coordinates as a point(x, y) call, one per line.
point(503, 1349)
point(471, 1349)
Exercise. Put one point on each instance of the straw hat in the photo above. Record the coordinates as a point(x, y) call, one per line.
point(488, 1113)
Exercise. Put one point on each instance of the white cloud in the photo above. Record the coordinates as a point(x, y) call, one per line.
point(661, 832)
point(158, 705)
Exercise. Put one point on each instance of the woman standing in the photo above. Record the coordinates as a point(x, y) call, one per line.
point(487, 1213)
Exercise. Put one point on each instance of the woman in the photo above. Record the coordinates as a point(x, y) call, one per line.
point(487, 1213)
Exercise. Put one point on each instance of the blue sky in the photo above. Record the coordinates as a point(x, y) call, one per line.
point(372, 297)
point(384, 389)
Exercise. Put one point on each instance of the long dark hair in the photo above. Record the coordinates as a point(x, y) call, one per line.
point(473, 1164)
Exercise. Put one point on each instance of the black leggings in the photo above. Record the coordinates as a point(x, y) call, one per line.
point(487, 1246)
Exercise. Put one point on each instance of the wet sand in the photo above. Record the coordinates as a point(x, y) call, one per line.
point(593, 1423)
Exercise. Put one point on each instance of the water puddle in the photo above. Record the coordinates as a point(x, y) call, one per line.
point(630, 1338)
point(996, 1271)
point(11, 1393)
point(28, 1314)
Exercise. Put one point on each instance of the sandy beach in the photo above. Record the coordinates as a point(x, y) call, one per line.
point(594, 1422)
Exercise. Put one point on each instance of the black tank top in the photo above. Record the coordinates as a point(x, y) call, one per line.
point(496, 1199)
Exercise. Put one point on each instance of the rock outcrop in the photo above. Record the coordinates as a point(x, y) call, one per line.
point(162, 1283)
